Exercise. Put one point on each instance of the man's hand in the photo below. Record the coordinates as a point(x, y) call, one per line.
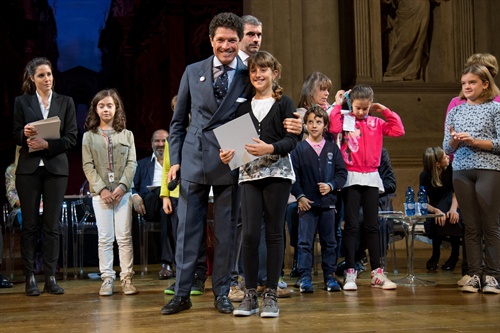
point(167, 205)
point(172, 173)
point(138, 204)
point(293, 125)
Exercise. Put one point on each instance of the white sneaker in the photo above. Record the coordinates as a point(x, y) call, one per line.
point(463, 280)
point(107, 287)
point(350, 277)
point(127, 287)
point(491, 285)
point(379, 280)
point(473, 284)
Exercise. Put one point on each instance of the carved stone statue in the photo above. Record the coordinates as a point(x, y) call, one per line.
point(408, 39)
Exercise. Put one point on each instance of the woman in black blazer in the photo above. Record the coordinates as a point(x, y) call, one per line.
point(43, 172)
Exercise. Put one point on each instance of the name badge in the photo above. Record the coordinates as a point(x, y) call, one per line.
point(349, 122)
point(111, 177)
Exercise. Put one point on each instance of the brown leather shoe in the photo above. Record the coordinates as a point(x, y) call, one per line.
point(166, 272)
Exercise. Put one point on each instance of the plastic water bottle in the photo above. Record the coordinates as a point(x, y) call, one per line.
point(422, 201)
point(410, 202)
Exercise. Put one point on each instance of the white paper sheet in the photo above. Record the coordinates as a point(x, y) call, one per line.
point(234, 135)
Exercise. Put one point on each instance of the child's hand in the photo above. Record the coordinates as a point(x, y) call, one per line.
point(226, 156)
point(260, 148)
point(106, 196)
point(304, 204)
point(377, 107)
point(464, 137)
point(339, 97)
point(118, 194)
point(324, 188)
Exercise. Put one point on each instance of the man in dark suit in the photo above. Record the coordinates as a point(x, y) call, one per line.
point(194, 147)
point(148, 202)
point(210, 92)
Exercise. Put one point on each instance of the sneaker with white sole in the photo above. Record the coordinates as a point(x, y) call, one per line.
point(331, 284)
point(249, 305)
point(379, 280)
point(472, 285)
point(463, 280)
point(107, 287)
point(491, 285)
point(270, 307)
point(236, 294)
point(128, 287)
point(350, 276)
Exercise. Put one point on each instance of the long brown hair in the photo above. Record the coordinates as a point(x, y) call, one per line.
point(431, 158)
point(29, 86)
point(119, 122)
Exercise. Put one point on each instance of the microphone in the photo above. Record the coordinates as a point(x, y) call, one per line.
point(174, 182)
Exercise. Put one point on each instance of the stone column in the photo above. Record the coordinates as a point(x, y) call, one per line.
point(463, 34)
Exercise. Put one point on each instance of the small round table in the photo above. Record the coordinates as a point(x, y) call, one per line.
point(409, 223)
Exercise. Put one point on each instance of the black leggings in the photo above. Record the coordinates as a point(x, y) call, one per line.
point(265, 197)
point(354, 197)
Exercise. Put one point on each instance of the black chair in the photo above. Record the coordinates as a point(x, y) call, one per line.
point(85, 224)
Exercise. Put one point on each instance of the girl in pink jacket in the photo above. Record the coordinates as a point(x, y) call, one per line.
point(361, 149)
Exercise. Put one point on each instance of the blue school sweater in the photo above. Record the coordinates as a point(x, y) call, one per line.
point(311, 169)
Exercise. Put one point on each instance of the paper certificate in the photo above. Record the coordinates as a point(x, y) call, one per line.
point(47, 129)
point(234, 135)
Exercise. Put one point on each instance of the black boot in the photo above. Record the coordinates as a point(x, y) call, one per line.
point(51, 286)
point(31, 286)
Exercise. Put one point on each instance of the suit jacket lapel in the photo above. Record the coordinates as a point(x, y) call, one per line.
point(236, 89)
point(206, 78)
point(55, 105)
point(35, 106)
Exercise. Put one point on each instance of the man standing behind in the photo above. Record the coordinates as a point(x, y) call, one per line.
point(148, 202)
point(252, 37)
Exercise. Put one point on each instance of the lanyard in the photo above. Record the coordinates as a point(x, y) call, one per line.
point(111, 174)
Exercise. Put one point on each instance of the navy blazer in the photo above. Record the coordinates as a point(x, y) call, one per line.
point(144, 175)
point(27, 110)
point(193, 144)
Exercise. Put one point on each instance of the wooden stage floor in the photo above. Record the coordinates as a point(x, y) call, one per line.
point(442, 308)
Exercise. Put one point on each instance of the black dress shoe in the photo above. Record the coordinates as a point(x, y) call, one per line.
point(31, 286)
point(166, 272)
point(4, 282)
point(223, 304)
point(176, 304)
point(432, 264)
point(449, 264)
point(51, 286)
